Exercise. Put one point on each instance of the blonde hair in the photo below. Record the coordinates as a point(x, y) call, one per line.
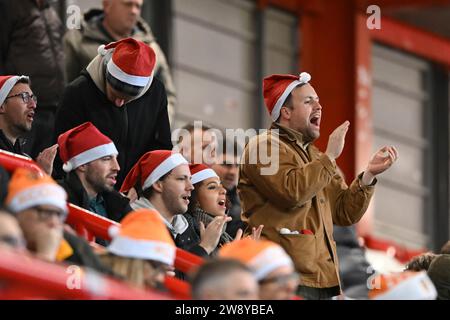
point(130, 269)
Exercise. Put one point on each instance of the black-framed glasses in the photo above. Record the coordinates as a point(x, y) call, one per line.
point(26, 97)
point(45, 214)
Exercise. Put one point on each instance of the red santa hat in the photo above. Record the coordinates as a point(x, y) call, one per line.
point(277, 88)
point(83, 144)
point(152, 166)
point(201, 172)
point(132, 61)
point(143, 235)
point(7, 83)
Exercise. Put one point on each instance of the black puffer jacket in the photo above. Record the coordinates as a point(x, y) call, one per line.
point(31, 44)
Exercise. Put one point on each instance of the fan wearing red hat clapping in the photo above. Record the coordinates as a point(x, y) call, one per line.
point(304, 195)
point(119, 94)
point(162, 180)
point(208, 200)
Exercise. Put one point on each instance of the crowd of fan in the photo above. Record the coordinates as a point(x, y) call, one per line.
point(105, 145)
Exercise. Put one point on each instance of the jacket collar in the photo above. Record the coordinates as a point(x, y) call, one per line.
point(290, 134)
point(16, 147)
point(78, 191)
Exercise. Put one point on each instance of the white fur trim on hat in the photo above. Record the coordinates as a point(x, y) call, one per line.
point(90, 155)
point(42, 194)
point(171, 162)
point(303, 78)
point(8, 85)
point(143, 249)
point(117, 73)
point(418, 287)
point(203, 175)
point(269, 260)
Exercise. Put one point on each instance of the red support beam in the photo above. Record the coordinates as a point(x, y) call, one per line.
point(363, 109)
point(414, 40)
point(401, 3)
point(330, 58)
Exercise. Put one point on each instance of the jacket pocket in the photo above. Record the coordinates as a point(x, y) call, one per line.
point(302, 249)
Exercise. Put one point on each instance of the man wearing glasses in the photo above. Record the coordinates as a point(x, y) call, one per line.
point(39, 205)
point(17, 110)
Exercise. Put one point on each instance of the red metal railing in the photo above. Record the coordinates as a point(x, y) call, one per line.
point(90, 225)
point(95, 225)
point(399, 252)
point(11, 161)
point(24, 277)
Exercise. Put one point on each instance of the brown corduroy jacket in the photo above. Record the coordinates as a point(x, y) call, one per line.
point(305, 193)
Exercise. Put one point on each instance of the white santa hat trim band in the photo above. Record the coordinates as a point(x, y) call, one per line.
point(90, 155)
point(171, 162)
point(42, 194)
point(203, 175)
point(303, 79)
point(142, 249)
point(117, 73)
point(269, 260)
point(8, 85)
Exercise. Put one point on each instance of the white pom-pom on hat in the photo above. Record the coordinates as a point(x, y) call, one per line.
point(304, 77)
point(67, 167)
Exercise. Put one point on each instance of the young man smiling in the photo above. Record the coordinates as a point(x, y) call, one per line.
point(90, 160)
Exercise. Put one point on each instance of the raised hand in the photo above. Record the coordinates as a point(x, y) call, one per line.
point(46, 157)
point(256, 233)
point(336, 141)
point(210, 236)
point(382, 160)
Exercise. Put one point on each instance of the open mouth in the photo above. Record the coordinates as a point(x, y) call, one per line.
point(30, 116)
point(315, 120)
point(186, 199)
point(221, 203)
point(112, 178)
